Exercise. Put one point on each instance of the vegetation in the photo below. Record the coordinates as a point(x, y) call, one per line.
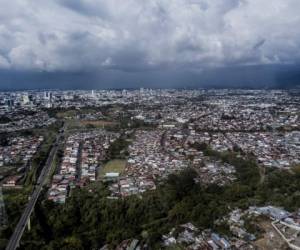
point(4, 119)
point(40, 158)
point(15, 200)
point(89, 220)
point(113, 166)
point(3, 139)
point(98, 123)
point(128, 123)
point(118, 149)
point(87, 124)
point(55, 163)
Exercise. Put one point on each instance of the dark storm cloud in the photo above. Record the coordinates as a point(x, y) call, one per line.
point(259, 44)
point(267, 76)
point(146, 36)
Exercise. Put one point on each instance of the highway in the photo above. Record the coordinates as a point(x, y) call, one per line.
point(18, 232)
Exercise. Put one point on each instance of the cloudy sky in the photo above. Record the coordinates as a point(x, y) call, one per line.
point(132, 43)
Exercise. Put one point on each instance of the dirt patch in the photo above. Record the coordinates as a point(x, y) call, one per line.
point(271, 239)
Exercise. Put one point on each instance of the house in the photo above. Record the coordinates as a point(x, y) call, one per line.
point(12, 181)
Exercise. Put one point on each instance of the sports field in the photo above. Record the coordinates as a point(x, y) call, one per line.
point(113, 166)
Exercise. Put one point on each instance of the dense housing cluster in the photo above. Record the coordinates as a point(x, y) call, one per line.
point(241, 141)
point(19, 150)
point(15, 158)
point(146, 162)
point(277, 149)
point(19, 121)
point(285, 223)
point(83, 154)
point(191, 237)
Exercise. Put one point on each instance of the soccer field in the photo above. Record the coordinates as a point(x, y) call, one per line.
point(115, 166)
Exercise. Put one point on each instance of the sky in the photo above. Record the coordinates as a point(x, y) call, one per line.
point(154, 43)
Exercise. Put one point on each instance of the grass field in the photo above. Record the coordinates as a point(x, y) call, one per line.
point(116, 166)
point(68, 113)
point(82, 124)
point(98, 123)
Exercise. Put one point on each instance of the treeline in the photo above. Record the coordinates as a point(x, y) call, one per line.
point(118, 149)
point(40, 158)
point(246, 167)
point(89, 220)
point(15, 201)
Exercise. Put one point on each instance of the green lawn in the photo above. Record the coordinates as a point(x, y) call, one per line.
point(87, 124)
point(116, 166)
point(67, 113)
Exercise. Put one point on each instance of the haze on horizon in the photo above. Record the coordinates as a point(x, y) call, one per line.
point(159, 43)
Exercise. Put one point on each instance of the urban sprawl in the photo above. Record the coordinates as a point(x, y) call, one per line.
point(164, 131)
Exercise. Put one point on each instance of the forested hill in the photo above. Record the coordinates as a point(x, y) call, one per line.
point(89, 220)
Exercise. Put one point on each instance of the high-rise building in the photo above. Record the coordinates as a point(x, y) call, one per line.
point(9, 103)
point(92, 94)
point(48, 96)
point(25, 99)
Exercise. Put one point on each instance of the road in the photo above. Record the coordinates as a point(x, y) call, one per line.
point(18, 232)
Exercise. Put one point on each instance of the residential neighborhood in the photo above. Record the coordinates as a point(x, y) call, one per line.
point(83, 155)
point(128, 147)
